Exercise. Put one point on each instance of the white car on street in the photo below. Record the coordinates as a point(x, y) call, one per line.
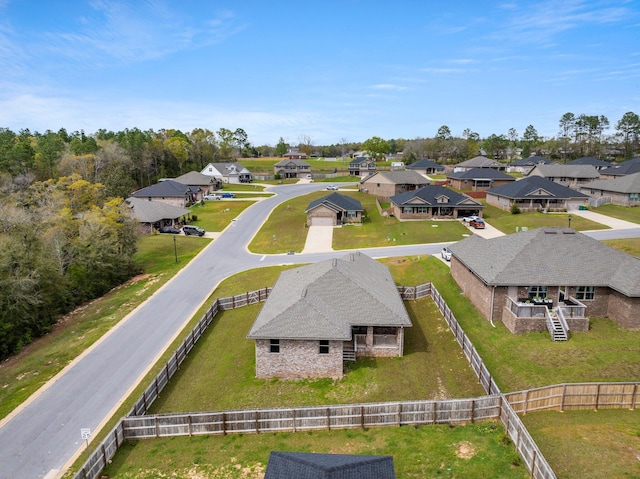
point(446, 254)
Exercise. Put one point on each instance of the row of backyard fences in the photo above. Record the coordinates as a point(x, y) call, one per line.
point(443, 411)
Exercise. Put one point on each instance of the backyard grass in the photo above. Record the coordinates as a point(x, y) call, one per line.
point(507, 222)
point(572, 440)
point(23, 374)
point(286, 228)
point(474, 451)
point(621, 212)
point(629, 245)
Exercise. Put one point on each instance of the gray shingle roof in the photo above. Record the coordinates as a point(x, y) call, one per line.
point(481, 174)
point(401, 177)
point(195, 178)
point(588, 160)
point(323, 300)
point(530, 186)
point(532, 160)
point(423, 164)
point(566, 171)
point(336, 201)
point(302, 465)
point(480, 162)
point(622, 184)
point(549, 256)
point(146, 211)
point(429, 195)
point(628, 167)
point(166, 189)
point(295, 161)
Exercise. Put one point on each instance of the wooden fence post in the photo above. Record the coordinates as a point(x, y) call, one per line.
point(564, 390)
point(399, 414)
point(157, 427)
point(597, 397)
point(633, 396)
point(257, 423)
point(362, 417)
point(328, 419)
point(294, 419)
point(526, 402)
point(224, 424)
point(473, 410)
point(189, 424)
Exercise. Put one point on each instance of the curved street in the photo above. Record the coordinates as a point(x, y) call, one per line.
point(41, 438)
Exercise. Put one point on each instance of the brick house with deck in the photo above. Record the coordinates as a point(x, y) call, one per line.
point(547, 278)
point(322, 314)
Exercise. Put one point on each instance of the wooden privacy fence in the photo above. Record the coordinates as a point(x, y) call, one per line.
point(364, 415)
point(563, 397)
point(314, 418)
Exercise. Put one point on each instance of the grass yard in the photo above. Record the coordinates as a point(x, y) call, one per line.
point(572, 440)
point(256, 187)
point(217, 215)
point(288, 224)
point(23, 374)
point(507, 222)
point(474, 451)
point(629, 245)
point(621, 212)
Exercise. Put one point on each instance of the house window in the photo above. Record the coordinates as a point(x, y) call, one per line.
point(421, 209)
point(274, 345)
point(324, 346)
point(537, 292)
point(634, 196)
point(585, 292)
point(352, 214)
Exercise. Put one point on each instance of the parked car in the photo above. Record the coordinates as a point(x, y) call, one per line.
point(477, 223)
point(446, 254)
point(309, 176)
point(190, 230)
point(227, 195)
point(469, 219)
point(170, 229)
point(332, 187)
point(211, 197)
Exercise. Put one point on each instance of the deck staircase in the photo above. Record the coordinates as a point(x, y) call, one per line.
point(348, 353)
point(554, 325)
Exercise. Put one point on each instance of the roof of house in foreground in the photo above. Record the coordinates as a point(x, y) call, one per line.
point(304, 465)
point(621, 184)
point(549, 256)
point(146, 211)
point(323, 300)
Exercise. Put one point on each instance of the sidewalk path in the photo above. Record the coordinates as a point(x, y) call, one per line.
point(319, 240)
point(609, 221)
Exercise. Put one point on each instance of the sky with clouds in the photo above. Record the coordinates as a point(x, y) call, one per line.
point(328, 70)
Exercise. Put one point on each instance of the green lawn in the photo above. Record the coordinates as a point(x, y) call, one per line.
point(288, 224)
point(217, 215)
point(475, 451)
point(507, 222)
point(621, 212)
point(243, 187)
point(629, 245)
point(572, 440)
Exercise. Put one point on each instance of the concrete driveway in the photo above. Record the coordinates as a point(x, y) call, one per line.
point(319, 240)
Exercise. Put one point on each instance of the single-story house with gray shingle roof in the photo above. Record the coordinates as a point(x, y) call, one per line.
point(524, 165)
point(322, 314)
point(535, 193)
point(588, 160)
point(206, 183)
point(431, 202)
point(171, 192)
point(426, 167)
point(571, 176)
point(505, 276)
point(385, 184)
point(334, 209)
point(625, 168)
point(622, 191)
point(305, 465)
point(156, 214)
point(479, 162)
point(478, 179)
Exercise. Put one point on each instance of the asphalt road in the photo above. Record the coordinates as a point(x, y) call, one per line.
point(41, 438)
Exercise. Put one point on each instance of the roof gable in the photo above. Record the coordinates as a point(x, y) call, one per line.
point(535, 186)
point(431, 194)
point(166, 189)
point(338, 202)
point(401, 177)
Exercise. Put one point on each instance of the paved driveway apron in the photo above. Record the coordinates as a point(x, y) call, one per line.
point(319, 239)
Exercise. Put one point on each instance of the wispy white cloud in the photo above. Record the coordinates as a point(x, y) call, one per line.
point(388, 86)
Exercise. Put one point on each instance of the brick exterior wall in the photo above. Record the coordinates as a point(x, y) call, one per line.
point(472, 287)
point(322, 211)
point(298, 359)
point(624, 310)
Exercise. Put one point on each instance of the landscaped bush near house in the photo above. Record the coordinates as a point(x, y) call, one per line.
point(515, 209)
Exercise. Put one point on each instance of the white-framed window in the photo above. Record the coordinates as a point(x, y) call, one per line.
point(537, 292)
point(352, 214)
point(274, 345)
point(585, 292)
point(323, 346)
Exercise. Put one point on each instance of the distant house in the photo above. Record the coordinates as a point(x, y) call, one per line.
point(479, 162)
point(478, 179)
point(587, 160)
point(334, 209)
point(625, 168)
point(535, 193)
point(206, 183)
point(156, 214)
point(295, 154)
point(292, 168)
point(320, 315)
point(304, 465)
point(170, 192)
point(525, 165)
point(523, 279)
point(431, 202)
point(571, 176)
point(385, 184)
point(362, 166)
point(426, 167)
point(397, 165)
point(228, 172)
point(622, 191)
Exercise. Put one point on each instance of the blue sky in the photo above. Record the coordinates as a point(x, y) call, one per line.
point(327, 70)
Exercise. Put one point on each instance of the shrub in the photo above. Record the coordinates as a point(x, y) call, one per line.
point(515, 209)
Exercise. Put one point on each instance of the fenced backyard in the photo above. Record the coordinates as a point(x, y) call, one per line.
point(137, 425)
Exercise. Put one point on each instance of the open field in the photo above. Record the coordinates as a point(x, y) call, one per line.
point(474, 451)
point(507, 222)
point(572, 440)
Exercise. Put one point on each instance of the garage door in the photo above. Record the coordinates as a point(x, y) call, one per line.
point(321, 221)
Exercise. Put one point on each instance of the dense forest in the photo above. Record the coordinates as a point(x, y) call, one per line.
point(66, 237)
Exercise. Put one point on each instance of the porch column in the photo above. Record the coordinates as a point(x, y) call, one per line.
point(369, 336)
